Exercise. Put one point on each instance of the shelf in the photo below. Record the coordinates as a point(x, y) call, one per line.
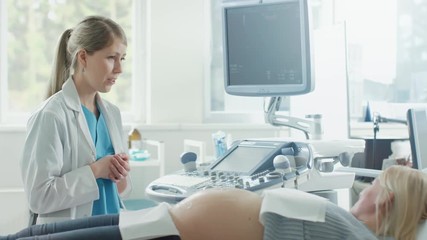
point(365, 130)
point(148, 162)
point(159, 161)
point(143, 170)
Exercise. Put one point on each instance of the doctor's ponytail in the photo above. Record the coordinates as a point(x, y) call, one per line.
point(61, 65)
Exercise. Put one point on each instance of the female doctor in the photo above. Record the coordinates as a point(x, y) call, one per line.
point(74, 162)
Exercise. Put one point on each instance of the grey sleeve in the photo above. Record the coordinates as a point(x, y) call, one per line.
point(339, 224)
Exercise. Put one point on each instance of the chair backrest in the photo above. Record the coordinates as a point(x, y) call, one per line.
point(33, 219)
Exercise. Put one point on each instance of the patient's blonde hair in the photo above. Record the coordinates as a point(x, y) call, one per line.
point(401, 216)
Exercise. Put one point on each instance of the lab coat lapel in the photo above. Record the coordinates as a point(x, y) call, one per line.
point(73, 101)
point(85, 129)
point(112, 128)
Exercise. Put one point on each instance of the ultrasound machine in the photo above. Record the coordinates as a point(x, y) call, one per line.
point(267, 53)
point(256, 165)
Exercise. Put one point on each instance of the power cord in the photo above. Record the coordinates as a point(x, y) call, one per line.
point(376, 122)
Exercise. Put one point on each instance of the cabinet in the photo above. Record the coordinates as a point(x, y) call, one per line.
point(143, 172)
point(199, 147)
point(157, 161)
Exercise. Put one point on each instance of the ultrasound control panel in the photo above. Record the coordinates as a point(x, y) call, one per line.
point(250, 165)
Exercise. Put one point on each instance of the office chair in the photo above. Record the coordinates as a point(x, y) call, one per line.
point(33, 218)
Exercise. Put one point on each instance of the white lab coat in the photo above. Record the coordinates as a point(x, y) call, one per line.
point(58, 150)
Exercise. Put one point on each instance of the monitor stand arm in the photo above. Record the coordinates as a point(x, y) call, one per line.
point(309, 127)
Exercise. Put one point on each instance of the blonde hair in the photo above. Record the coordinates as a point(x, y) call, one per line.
point(92, 34)
point(409, 208)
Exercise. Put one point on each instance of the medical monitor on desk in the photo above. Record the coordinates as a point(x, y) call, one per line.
point(417, 126)
point(267, 48)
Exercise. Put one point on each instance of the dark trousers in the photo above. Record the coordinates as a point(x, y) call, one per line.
point(105, 227)
point(96, 227)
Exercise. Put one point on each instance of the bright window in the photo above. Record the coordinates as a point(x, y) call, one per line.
point(386, 52)
point(387, 57)
point(29, 33)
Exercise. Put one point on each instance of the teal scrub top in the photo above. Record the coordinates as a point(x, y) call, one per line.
point(108, 202)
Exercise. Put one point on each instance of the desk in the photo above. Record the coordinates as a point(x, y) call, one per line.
point(369, 163)
point(142, 171)
point(159, 159)
point(376, 150)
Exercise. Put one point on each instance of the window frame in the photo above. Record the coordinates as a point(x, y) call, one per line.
point(139, 64)
point(3, 60)
point(137, 111)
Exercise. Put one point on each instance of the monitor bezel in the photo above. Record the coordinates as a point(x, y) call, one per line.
point(272, 90)
point(414, 136)
point(262, 164)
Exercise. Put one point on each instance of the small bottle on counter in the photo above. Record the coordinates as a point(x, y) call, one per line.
point(136, 147)
point(134, 140)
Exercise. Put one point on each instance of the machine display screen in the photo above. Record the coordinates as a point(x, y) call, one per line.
point(244, 158)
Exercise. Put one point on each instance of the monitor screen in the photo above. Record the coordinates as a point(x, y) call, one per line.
point(417, 126)
point(244, 158)
point(267, 49)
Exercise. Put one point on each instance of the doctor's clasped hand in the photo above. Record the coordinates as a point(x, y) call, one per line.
point(114, 167)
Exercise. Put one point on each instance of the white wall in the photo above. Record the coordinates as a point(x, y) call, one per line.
point(175, 89)
point(13, 206)
point(11, 142)
point(14, 211)
point(330, 95)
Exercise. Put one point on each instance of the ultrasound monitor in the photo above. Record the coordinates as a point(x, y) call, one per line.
point(248, 157)
point(244, 158)
point(417, 126)
point(267, 50)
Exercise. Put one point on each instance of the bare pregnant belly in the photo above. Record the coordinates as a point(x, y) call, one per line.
point(219, 214)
